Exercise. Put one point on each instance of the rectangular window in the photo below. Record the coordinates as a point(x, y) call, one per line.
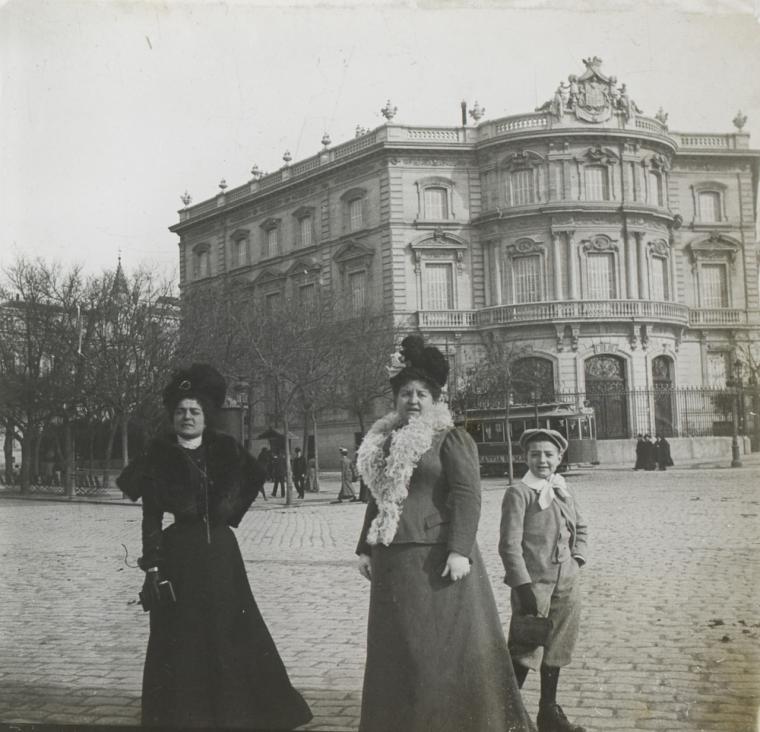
point(527, 278)
point(273, 243)
point(522, 187)
point(272, 303)
point(202, 264)
point(717, 369)
point(357, 287)
point(439, 287)
point(305, 228)
point(659, 278)
point(307, 295)
point(596, 183)
point(709, 207)
point(713, 286)
point(436, 204)
point(355, 218)
point(655, 189)
point(241, 252)
point(601, 276)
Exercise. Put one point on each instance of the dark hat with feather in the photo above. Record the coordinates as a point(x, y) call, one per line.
point(416, 361)
point(200, 381)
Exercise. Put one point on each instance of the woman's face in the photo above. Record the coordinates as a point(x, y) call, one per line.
point(188, 419)
point(414, 399)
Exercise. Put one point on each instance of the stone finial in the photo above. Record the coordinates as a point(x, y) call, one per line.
point(477, 112)
point(287, 157)
point(360, 131)
point(326, 139)
point(662, 117)
point(388, 111)
point(256, 172)
point(740, 120)
point(222, 185)
point(186, 198)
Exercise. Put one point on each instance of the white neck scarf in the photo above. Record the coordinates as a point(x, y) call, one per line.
point(547, 488)
point(388, 477)
point(192, 444)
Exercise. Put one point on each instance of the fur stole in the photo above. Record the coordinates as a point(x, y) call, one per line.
point(388, 455)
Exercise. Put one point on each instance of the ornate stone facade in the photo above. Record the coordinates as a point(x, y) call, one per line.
point(585, 232)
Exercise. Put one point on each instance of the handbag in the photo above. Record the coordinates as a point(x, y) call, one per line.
point(530, 630)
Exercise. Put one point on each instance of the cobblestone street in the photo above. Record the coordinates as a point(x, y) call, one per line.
point(669, 637)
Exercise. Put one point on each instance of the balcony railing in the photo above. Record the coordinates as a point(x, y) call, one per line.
point(717, 316)
point(556, 311)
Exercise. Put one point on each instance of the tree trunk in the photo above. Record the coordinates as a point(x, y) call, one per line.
point(305, 444)
point(25, 455)
point(69, 462)
point(288, 471)
point(91, 448)
point(249, 411)
point(124, 440)
point(8, 451)
point(109, 452)
point(34, 456)
point(316, 448)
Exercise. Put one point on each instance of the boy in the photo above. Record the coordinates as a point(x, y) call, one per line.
point(542, 545)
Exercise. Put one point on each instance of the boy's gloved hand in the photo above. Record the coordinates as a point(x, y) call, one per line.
point(527, 599)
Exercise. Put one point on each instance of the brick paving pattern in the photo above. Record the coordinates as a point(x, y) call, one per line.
point(669, 637)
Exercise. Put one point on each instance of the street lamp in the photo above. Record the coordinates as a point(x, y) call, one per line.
point(736, 461)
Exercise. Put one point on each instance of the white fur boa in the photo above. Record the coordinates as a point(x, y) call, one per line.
point(388, 477)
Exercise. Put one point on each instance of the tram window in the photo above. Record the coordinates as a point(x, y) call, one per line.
point(475, 430)
point(585, 429)
point(574, 433)
point(493, 432)
point(558, 424)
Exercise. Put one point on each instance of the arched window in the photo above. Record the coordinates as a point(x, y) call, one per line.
point(606, 390)
point(660, 279)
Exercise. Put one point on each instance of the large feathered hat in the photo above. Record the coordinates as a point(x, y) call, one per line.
point(200, 381)
point(415, 360)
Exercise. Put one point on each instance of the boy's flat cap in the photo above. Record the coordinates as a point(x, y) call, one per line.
point(543, 434)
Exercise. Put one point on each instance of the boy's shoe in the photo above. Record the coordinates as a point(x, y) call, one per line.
point(551, 718)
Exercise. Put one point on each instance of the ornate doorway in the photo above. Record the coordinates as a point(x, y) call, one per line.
point(662, 380)
point(607, 392)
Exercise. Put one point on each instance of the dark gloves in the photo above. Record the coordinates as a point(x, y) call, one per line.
point(527, 599)
point(157, 591)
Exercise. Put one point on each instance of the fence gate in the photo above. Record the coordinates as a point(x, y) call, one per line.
point(606, 390)
point(662, 380)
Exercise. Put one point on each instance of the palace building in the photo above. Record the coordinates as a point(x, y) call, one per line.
point(612, 253)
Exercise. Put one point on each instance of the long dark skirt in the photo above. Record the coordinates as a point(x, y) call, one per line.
point(211, 661)
point(437, 657)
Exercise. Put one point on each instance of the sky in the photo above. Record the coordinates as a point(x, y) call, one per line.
point(109, 111)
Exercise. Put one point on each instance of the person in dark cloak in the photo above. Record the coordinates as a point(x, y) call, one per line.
point(211, 661)
point(664, 460)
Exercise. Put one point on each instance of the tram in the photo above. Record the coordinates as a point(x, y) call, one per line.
point(487, 428)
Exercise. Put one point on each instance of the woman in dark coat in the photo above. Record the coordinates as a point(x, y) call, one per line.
point(664, 460)
point(437, 658)
point(211, 661)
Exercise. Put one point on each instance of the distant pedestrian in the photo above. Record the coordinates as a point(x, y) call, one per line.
point(279, 473)
point(211, 662)
point(662, 446)
point(312, 480)
point(298, 466)
point(542, 544)
point(346, 477)
point(265, 460)
point(649, 452)
point(640, 449)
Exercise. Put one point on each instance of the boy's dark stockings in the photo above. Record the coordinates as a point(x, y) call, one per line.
point(549, 681)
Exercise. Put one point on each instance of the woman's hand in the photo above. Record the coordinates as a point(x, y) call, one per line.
point(365, 566)
point(457, 566)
